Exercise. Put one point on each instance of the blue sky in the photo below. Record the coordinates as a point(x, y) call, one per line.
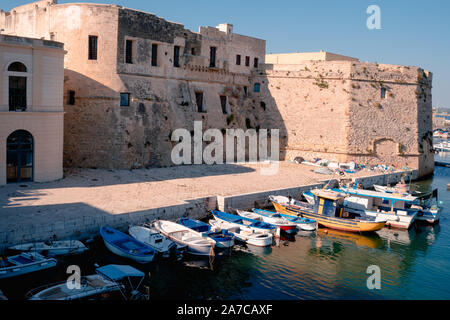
point(415, 33)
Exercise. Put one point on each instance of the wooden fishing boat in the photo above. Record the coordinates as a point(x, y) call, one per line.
point(107, 281)
point(52, 248)
point(163, 245)
point(195, 242)
point(24, 263)
point(328, 211)
point(125, 246)
point(272, 218)
point(301, 223)
point(243, 222)
point(246, 235)
point(223, 239)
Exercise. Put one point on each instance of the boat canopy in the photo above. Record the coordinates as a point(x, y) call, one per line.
point(375, 194)
point(117, 272)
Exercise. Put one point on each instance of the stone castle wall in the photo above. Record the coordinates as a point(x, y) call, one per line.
point(328, 107)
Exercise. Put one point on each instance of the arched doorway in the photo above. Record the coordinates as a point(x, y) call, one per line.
point(19, 157)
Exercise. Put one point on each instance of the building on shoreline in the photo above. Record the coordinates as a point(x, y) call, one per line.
point(31, 109)
point(132, 78)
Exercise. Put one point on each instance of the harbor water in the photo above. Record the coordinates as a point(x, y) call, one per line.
point(324, 264)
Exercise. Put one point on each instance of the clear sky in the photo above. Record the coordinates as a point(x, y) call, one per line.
point(415, 33)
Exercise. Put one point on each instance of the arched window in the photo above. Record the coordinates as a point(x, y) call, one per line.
point(17, 67)
point(17, 87)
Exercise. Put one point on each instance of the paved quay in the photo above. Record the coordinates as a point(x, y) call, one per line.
point(85, 199)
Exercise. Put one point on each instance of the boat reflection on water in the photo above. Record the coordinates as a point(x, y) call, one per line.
point(361, 240)
point(257, 251)
point(417, 238)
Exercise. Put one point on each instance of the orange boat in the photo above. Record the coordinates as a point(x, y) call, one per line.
point(328, 211)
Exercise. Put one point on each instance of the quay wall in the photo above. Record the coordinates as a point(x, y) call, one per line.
point(87, 226)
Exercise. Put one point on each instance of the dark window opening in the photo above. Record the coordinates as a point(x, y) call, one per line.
point(154, 55)
point(238, 59)
point(17, 67)
point(71, 98)
point(383, 93)
point(223, 103)
point(19, 156)
point(129, 51)
point(245, 90)
point(247, 61)
point(193, 51)
point(17, 93)
point(212, 57)
point(257, 87)
point(255, 63)
point(124, 99)
point(93, 47)
point(176, 56)
point(199, 100)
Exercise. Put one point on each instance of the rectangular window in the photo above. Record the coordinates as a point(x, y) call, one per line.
point(71, 98)
point(129, 51)
point(245, 90)
point(212, 57)
point(223, 103)
point(193, 51)
point(255, 63)
point(238, 59)
point(154, 55)
point(247, 61)
point(124, 99)
point(93, 42)
point(199, 100)
point(176, 56)
point(383, 93)
point(257, 87)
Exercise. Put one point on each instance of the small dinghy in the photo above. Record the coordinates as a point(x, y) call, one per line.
point(24, 263)
point(223, 239)
point(108, 280)
point(248, 236)
point(272, 218)
point(154, 239)
point(244, 222)
point(309, 196)
point(195, 242)
point(301, 223)
point(52, 248)
point(125, 246)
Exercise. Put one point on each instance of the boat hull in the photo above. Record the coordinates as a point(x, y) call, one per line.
point(393, 220)
point(58, 249)
point(342, 224)
point(262, 230)
point(121, 253)
point(19, 270)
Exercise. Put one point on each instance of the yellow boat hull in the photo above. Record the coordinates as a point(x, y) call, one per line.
point(350, 225)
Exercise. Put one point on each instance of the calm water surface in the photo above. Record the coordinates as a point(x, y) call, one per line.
point(414, 264)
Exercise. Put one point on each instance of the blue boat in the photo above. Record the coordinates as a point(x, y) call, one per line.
point(244, 222)
point(125, 246)
point(223, 239)
point(302, 223)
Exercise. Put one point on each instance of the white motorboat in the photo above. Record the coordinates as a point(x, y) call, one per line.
point(154, 239)
point(195, 242)
point(246, 235)
point(24, 263)
point(106, 281)
point(272, 218)
point(52, 248)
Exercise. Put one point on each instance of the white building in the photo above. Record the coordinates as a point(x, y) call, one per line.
point(31, 109)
